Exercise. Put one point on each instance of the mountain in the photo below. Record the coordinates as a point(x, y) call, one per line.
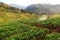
point(17, 6)
point(44, 9)
point(34, 8)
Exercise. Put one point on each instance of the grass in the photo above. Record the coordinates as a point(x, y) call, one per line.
point(13, 27)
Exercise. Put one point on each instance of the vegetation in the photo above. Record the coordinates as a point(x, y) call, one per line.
point(26, 26)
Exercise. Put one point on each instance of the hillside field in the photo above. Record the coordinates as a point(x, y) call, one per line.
point(18, 24)
point(27, 27)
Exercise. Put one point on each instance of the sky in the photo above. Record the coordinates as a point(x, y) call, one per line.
point(28, 2)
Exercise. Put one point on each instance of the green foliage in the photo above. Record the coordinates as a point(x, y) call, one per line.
point(20, 31)
point(17, 26)
point(54, 22)
point(53, 36)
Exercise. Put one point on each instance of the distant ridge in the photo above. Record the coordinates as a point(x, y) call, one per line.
point(44, 8)
point(17, 6)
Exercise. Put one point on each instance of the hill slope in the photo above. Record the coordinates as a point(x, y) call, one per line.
point(7, 8)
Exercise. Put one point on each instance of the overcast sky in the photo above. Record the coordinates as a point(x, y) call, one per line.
point(28, 2)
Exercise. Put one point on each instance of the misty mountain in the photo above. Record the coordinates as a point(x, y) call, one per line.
point(17, 6)
point(44, 9)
